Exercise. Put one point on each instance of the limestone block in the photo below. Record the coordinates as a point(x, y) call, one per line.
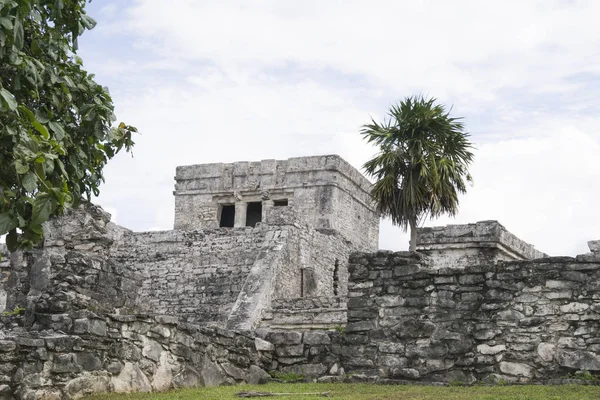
point(162, 379)
point(187, 378)
point(210, 374)
point(594, 246)
point(284, 337)
point(490, 350)
point(65, 363)
point(316, 338)
point(290, 351)
point(578, 359)
point(88, 361)
point(92, 326)
point(256, 375)
point(151, 349)
point(7, 346)
point(517, 369)
point(131, 379)
point(404, 373)
point(307, 370)
point(546, 351)
point(574, 307)
point(85, 385)
point(263, 345)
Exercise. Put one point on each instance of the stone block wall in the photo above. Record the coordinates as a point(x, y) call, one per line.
point(72, 270)
point(194, 274)
point(81, 353)
point(516, 321)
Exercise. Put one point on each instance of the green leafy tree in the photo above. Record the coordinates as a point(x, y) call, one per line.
point(422, 164)
point(56, 122)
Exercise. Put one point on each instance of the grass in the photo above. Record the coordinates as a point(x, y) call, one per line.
point(374, 392)
point(286, 376)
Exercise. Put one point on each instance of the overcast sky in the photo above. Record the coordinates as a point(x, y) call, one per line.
point(223, 81)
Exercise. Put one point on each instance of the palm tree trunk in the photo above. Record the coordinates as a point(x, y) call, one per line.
point(413, 234)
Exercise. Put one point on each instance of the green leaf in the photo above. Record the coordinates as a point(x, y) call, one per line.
point(9, 99)
point(18, 34)
point(21, 168)
point(41, 117)
point(6, 23)
point(7, 223)
point(41, 129)
point(29, 182)
point(43, 206)
point(59, 132)
point(88, 22)
point(28, 113)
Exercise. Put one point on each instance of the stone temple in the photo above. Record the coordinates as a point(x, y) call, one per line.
point(273, 266)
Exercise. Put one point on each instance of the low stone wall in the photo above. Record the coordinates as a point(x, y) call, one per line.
point(308, 354)
point(516, 321)
point(78, 354)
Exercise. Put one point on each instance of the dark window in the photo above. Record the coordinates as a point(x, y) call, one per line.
point(301, 282)
point(336, 277)
point(227, 216)
point(280, 203)
point(254, 213)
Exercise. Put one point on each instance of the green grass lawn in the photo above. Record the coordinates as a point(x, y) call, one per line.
point(369, 391)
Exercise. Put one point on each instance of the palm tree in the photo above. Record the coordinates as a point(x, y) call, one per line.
point(422, 163)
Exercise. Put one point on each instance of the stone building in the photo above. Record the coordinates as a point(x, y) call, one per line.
point(323, 192)
point(484, 242)
point(279, 253)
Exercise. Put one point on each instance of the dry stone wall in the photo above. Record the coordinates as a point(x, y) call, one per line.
point(194, 274)
point(515, 321)
point(84, 353)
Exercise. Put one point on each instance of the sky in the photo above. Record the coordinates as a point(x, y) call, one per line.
point(225, 81)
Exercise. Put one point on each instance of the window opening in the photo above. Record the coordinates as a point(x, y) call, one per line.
point(253, 213)
point(336, 277)
point(301, 282)
point(280, 203)
point(227, 216)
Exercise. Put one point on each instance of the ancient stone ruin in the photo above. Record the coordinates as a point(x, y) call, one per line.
point(273, 268)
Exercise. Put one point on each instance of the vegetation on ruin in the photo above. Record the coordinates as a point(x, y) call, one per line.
point(422, 164)
point(371, 392)
point(56, 122)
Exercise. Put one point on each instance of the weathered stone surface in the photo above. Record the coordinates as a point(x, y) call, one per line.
point(131, 379)
point(187, 378)
point(86, 385)
point(404, 373)
point(579, 360)
point(211, 374)
point(517, 369)
point(7, 346)
point(263, 345)
point(279, 338)
point(485, 349)
point(88, 361)
point(546, 351)
point(152, 349)
point(316, 338)
point(257, 375)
